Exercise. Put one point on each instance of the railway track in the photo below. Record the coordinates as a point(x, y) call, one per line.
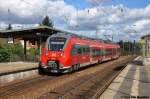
point(16, 88)
point(102, 89)
point(81, 84)
point(88, 87)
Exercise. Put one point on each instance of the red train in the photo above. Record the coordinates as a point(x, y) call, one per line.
point(68, 52)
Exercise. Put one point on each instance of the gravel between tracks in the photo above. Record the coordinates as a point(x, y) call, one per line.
point(85, 87)
point(66, 86)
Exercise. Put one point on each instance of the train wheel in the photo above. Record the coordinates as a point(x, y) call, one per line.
point(74, 67)
point(78, 66)
point(99, 62)
point(71, 69)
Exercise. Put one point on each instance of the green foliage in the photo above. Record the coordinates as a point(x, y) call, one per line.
point(32, 51)
point(17, 49)
point(4, 55)
point(32, 54)
point(9, 27)
point(10, 52)
point(130, 48)
point(47, 22)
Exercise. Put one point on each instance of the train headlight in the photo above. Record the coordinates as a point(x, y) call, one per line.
point(43, 64)
point(61, 53)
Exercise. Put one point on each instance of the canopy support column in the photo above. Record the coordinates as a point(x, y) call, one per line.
point(25, 49)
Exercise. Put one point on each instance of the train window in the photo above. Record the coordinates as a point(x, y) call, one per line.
point(104, 52)
point(101, 52)
point(74, 50)
point(88, 50)
point(79, 51)
point(93, 52)
point(96, 52)
point(85, 49)
point(108, 52)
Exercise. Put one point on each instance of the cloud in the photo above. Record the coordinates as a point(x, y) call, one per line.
point(97, 2)
point(109, 19)
point(21, 11)
point(59, 9)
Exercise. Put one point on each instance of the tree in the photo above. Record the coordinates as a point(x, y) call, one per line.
point(9, 27)
point(130, 47)
point(47, 22)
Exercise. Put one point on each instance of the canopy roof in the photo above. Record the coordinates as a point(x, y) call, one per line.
point(29, 32)
point(145, 36)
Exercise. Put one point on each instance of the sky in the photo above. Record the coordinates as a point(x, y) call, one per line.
point(123, 19)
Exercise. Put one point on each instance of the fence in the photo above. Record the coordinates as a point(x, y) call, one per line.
point(15, 52)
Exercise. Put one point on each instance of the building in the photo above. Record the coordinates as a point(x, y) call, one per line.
point(145, 41)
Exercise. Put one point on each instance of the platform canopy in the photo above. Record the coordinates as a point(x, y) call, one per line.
point(33, 34)
point(29, 33)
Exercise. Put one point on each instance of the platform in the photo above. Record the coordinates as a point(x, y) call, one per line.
point(132, 83)
point(16, 66)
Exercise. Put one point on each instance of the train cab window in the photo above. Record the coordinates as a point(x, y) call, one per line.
point(56, 43)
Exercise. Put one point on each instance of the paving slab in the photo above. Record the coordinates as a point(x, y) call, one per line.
point(132, 83)
point(16, 66)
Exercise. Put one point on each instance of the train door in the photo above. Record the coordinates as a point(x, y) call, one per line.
point(75, 54)
point(103, 53)
point(80, 54)
point(85, 55)
point(91, 55)
point(93, 59)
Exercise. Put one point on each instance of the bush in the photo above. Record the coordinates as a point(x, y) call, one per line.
point(32, 54)
point(32, 51)
point(11, 52)
point(14, 52)
point(4, 55)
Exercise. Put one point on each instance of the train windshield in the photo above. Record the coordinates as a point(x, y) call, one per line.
point(56, 43)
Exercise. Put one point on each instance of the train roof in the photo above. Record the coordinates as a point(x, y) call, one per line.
point(85, 37)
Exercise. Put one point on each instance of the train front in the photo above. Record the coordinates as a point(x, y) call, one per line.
point(53, 57)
